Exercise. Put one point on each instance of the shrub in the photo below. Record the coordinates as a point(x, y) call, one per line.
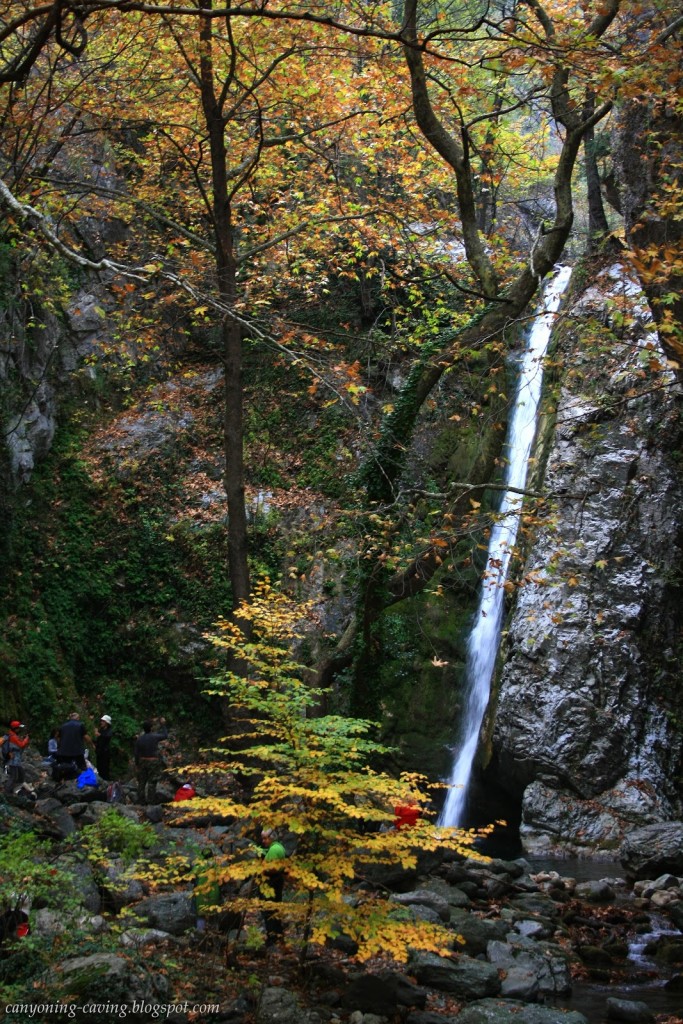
point(311, 777)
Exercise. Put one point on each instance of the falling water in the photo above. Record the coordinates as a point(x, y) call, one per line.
point(482, 645)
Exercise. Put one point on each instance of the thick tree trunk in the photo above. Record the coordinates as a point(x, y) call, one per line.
point(226, 272)
point(597, 221)
point(455, 151)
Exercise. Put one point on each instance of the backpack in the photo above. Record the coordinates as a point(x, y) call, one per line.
point(5, 747)
point(86, 778)
point(114, 793)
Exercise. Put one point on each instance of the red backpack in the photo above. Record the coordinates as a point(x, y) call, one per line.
point(185, 792)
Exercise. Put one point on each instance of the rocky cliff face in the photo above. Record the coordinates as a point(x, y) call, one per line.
point(587, 728)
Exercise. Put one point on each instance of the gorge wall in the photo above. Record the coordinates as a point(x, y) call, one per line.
point(588, 715)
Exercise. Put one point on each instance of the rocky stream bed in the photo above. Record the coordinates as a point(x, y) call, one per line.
point(532, 944)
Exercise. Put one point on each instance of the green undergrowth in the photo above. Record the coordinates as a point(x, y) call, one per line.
point(97, 594)
point(111, 581)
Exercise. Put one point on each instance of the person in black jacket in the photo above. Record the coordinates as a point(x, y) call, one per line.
point(102, 745)
point(148, 762)
point(72, 743)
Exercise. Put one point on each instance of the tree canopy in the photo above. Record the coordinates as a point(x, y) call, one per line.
point(254, 156)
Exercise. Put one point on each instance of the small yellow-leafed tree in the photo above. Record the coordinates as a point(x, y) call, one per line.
point(311, 779)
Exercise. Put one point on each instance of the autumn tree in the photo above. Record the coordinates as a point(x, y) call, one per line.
point(314, 778)
point(548, 66)
point(259, 128)
point(203, 125)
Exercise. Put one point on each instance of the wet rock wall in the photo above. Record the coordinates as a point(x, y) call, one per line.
point(587, 731)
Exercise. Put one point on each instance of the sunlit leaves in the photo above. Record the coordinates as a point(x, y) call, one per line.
point(312, 778)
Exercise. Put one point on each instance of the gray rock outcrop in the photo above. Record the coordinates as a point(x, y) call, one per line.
point(652, 850)
point(584, 733)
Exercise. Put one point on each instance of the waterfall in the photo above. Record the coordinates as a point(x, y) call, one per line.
point(482, 644)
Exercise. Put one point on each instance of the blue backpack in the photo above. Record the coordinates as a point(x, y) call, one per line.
point(86, 778)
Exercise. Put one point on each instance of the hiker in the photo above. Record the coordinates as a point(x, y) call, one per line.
point(102, 745)
point(273, 851)
point(185, 792)
point(72, 742)
point(53, 746)
point(406, 814)
point(13, 925)
point(148, 762)
point(15, 745)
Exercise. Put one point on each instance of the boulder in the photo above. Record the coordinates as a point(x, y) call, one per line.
point(391, 877)
point(425, 898)
point(48, 923)
point(168, 912)
point(534, 929)
point(57, 818)
point(547, 962)
point(496, 1011)
point(88, 977)
point(278, 1006)
point(464, 978)
point(535, 904)
point(477, 932)
point(629, 1010)
point(675, 912)
point(665, 881)
point(595, 892)
point(136, 937)
point(520, 983)
point(85, 884)
point(382, 993)
point(95, 925)
point(454, 896)
point(653, 850)
point(420, 913)
point(120, 890)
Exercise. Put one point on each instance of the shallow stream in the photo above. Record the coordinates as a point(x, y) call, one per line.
point(647, 977)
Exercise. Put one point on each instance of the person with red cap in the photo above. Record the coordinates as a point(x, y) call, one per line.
point(16, 745)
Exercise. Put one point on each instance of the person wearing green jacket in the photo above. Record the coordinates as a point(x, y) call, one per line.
point(274, 852)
